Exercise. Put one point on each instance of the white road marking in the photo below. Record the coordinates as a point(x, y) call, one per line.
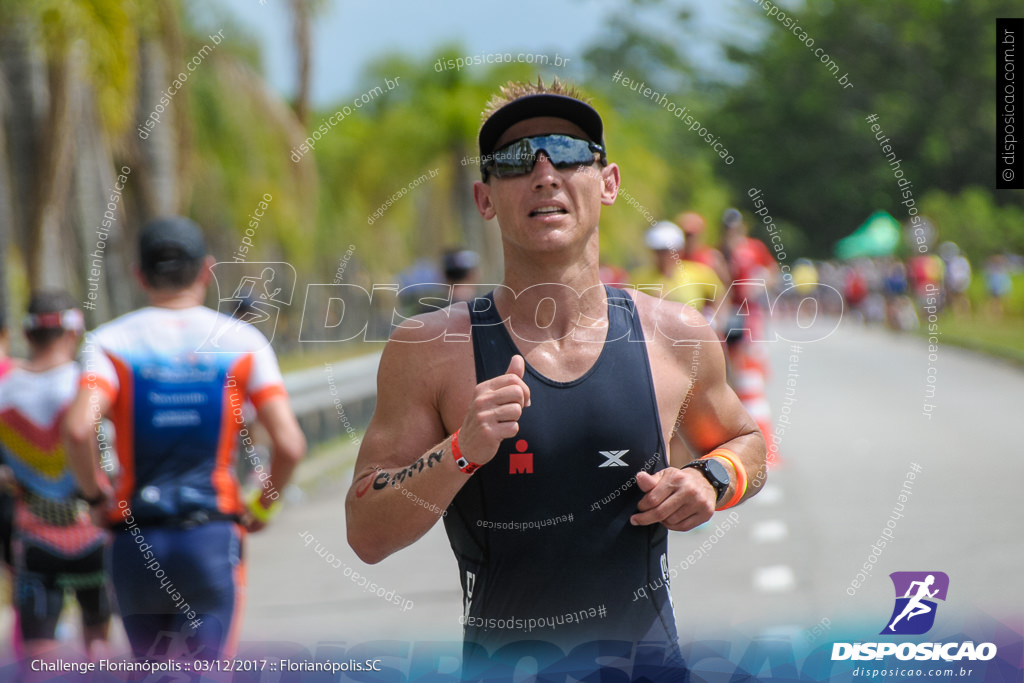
point(769, 531)
point(777, 578)
point(771, 495)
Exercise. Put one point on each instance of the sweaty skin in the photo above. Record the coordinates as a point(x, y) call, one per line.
point(426, 388)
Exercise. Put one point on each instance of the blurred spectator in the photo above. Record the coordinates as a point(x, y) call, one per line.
point(694, 249)
point(805, 277)
point(613, 276)
point(958, 277)
point(900, 311)
point(462, 273)
point(855, 288)
point(926, 273)
point(830, 275)
point(998, 284)
point(687, 282)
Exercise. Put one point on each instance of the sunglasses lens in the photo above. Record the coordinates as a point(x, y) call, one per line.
point(515, 159)
point(519, 157)
point(565, 151)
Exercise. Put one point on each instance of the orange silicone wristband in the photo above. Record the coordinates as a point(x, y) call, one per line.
point(741, 474)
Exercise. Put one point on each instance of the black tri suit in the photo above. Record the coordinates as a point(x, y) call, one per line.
point(549, 561)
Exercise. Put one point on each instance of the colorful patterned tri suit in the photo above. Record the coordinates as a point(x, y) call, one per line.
point(56, 546)
point(177, 406)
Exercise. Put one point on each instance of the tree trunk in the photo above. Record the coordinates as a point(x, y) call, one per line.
point(104, 253)
point(173, 44)
point(53, 177)
point(155, 167)
point(302, 36)
point(6, 202)
point(23, 113)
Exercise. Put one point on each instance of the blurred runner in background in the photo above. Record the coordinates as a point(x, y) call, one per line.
point(694, 248)
point(754, 273)
point(177, 513)
point(56, 545)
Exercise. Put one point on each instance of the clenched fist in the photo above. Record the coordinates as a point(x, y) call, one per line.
point(494, 413)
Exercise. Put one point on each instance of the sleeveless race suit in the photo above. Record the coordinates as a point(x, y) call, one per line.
point(541, 533)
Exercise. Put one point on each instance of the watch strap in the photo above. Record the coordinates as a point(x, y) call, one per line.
point(719, 486)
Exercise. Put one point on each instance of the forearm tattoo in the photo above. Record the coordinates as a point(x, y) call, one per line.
point(383, 478)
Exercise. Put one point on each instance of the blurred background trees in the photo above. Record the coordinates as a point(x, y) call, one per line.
point(78, 78)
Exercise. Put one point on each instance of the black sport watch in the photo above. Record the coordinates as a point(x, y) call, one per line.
point(715, 473)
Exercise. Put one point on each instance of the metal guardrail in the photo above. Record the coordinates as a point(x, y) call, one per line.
point(334, 399)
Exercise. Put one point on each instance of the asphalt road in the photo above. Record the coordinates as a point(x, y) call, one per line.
point(856, 427)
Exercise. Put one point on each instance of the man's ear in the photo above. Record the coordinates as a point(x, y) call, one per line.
point(610, 181)
point(206, 270)
point(137, 272)
point(482, 198)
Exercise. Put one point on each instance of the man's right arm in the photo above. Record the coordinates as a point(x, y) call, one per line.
point(78, 431)
point(406, 474)
point(98, 387)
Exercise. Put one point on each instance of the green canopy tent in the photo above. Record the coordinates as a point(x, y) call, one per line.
point(879, 235)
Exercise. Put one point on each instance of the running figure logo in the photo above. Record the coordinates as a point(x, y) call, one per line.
point(248, 293)
point(916, 592)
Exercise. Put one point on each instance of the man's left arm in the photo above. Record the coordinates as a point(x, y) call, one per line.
point(711, 419)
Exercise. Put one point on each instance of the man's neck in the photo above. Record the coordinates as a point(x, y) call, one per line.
point(177, 299)
point(47, 360)
point(552, 296)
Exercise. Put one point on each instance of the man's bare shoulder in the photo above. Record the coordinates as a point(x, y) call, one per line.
point(435, 330)
point(438, 340)
point(428, 365)
point(672, 323)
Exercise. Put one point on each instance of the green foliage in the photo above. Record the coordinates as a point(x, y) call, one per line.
point(243, 136)
point(976, 222)
point(925, 68)
point(106, 34)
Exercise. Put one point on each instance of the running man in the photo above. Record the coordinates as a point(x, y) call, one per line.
point(536, 403)
point(178, 517)
point(56, 545)
point(915, 606)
